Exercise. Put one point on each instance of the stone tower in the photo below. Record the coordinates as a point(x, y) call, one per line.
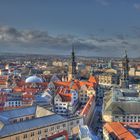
point(125, 72)
point(72, 68)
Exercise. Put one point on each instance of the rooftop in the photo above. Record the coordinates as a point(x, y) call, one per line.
point(37, 111)
point(24, 126)
point(117, 130)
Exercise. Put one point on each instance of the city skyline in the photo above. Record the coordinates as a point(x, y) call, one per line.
point(99, 27)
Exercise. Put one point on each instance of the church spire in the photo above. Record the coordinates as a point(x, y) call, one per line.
point(72, 74)
point(91, 70)
point(125, 72)
point(73, 63)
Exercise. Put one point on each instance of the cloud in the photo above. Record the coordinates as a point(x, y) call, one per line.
point(42, 42)
point(103, 2)
point(135, 31)
point(10, 34)
point(137, 6)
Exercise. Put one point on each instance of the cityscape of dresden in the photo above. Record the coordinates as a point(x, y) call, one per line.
point(69, 69)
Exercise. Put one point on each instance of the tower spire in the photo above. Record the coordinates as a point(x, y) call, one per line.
point(73, 63)
point(72, 67)
point(125, 71)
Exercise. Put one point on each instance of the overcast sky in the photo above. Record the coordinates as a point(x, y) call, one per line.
point(96, 27)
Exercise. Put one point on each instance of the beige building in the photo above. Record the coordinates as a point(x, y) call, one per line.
point(34, 123)
point(137, 73)
point(121, 105)
point(108, 79)
point(111, 70)
point(132, 71)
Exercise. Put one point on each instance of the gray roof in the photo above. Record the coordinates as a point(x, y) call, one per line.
point(124, 108)
point(15, 113)
point(117, 103)
point(15, 128)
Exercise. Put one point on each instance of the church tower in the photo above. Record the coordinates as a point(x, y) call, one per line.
point(72, 68)
point(125, 72)
point(91, 70)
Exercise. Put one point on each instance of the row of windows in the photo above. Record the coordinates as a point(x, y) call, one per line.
point(25, 136)
point(32, 134)
point(60, 104)
point(124, 120)
point(17, 102)
point(60, 108)
point(128, 117)
point(84, 98)
point(14, 105)
point(22, 119)
point(63, 111)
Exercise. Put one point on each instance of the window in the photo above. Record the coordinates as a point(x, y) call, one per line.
point(52, 128)
point(46, 130)
point(17, 138)
point(71, 123)
point(21, 119)
point(32, 134)
point(27, 118)
point(39, 132)
point(24, 136)
point(64, 125)
point(58, 127)
point(77, 121)
point(14, 121)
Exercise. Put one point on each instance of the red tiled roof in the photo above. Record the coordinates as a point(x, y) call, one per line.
point(3, 82)
point(117, 129)
point(27, 95)
point(87, 106)
point(92, 79)
point(18, 89)
point(60, 83)
point(132, 124)
point(3, 77)
point(66, 97)
point(76, 84)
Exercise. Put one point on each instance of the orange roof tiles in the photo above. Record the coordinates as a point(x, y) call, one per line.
point(22, 83)
point(27, 95)
point(32, 90)
point(132, 124)
point(60, 83)
point(66, 97)
point(118, 130)
point(77, 84)
point(3, 77)
point(3, 82)
point(20, 89)
point(87, 106)
point(92, 79)
point(17, 89)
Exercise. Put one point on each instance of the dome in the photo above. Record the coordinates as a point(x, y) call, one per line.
point(33, 79)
